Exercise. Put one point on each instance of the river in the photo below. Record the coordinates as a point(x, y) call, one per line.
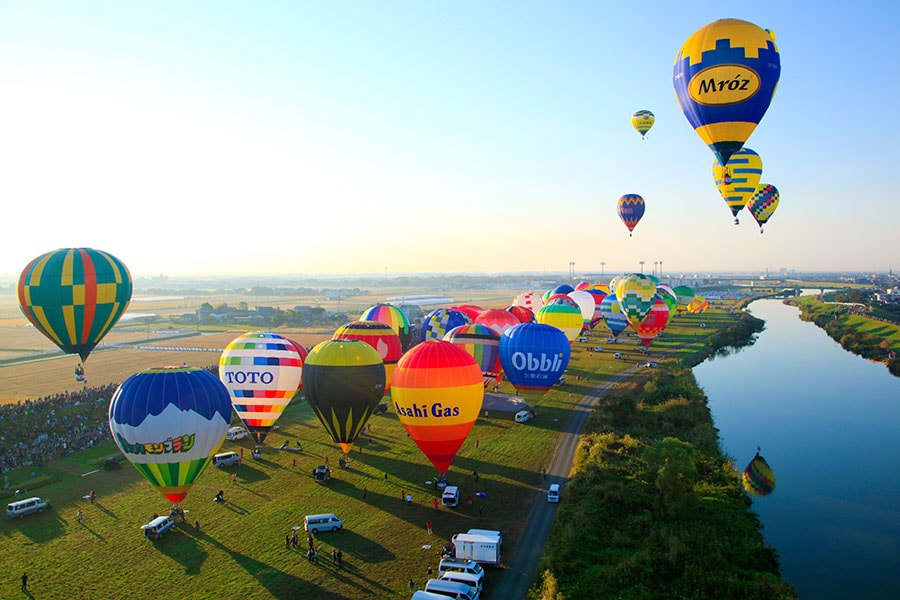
point(828, 423)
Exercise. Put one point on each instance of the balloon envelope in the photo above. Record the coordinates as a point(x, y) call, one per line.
point(438, 390)
point(530, 300)
point(497, 319)
point(441, 320)
point(389, 315)
point(630, 208)
point(261, 371)
point(636, 293)
point(74, 296)
point(343, 381)
point(738, 180)
point(763, 204)
point(169, 422)
point(564, 316)
point(653, 324)
point(534, 356)
point(524, 315)
point(612, 314)
point(642, 121)
point(378, 335)
point(725, 75)
point(483, 344)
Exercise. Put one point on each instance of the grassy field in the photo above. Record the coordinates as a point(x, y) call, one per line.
point(240, 548)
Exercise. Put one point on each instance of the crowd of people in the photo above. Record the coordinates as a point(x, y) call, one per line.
point(33, 432)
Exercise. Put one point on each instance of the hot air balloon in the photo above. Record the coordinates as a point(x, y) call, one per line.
point(642, 121)
point(584, 285)
point(343, 381)
point(763, 204)
point(758, 477)
point(667, 295)
point(520, 312)
point(653, 324)
point(584, 300)
point(74, 296)
point(389, 315)
point(378, 335)
point(497, 319)
point(483, 344)
point(261, 371)
point(636, 293)
point(169, 422)
point(631, 209)
point(738, 179)
point(534, 356)
point(684, 294)
point(441, 320)
point(470, 310)
point(438, 391)
point(725, 75)
point(612, 314)
point(564, 316)
point(598, 296)
point(530, 300)
point(698, 305)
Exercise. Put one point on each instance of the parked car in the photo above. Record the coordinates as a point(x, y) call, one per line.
point(618, 355)
point(523, 416)
point(651, 364)
point(598, 348)
point(20, 508)
point(236, 433)
point(322, 473)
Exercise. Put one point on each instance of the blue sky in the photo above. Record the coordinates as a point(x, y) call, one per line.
point(358, 137)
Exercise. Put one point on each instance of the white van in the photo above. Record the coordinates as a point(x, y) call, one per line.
point(470, 580)
point(226, 459)
point(461, 565)
point(326, 522)
point(451, 589)
point(450, 497)
point(20, 508)
point(553, 493)
point(236, 433)
point(157, 527)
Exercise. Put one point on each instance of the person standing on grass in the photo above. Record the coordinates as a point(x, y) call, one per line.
point(428, 527)
point(25, 582)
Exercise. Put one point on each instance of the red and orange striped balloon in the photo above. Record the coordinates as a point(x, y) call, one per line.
point(437, 390)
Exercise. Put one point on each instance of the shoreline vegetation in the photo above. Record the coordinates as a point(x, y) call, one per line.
point(873, 339)
point(654, 509)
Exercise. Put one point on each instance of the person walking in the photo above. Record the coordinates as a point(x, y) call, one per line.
point(435, 504)
point(365, 493)
point(428, 527)
point(409, 499)
point(287, 540)
point(475, 475)
point(92, 496)
point(234, 478)
point(197, 526)
point(412, 585)
point(80, 518)
point(293, 463)
point(25, 582)
point(385, 477)
point(340, 557)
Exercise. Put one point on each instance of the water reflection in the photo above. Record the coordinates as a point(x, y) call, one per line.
point(828, 423)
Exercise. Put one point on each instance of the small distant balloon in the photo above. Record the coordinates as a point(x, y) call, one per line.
point(642, 121)
point(763, 204)
point(630, 208)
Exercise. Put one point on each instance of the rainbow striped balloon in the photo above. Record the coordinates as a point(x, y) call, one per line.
point(262, 372)
point(389, 315)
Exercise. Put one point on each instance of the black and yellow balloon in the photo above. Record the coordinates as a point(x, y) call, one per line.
point(725, 75)
point(343, 381)
point(74, 296)
point(738, 180)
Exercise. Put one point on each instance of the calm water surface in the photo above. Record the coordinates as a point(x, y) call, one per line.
point(828, 423)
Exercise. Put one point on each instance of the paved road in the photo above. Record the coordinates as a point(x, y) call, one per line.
point(520, 569)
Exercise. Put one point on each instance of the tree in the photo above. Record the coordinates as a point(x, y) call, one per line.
point(671, 461)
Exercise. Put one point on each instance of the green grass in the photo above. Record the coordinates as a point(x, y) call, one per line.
point(240, 549)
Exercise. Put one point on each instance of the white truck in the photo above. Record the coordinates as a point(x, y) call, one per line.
point(481, 545)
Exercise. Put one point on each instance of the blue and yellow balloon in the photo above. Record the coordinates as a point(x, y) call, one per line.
point(725, 75)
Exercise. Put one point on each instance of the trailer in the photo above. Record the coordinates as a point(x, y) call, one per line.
point(481, 545)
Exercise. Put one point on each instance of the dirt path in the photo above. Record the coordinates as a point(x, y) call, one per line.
point(520, 570)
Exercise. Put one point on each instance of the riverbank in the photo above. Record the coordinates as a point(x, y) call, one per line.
point(873, 339)
point(653, 508)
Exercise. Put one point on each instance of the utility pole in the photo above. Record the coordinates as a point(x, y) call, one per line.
point(642, 265)
point(602, 265)
point(660, 269)
point(572, 269)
